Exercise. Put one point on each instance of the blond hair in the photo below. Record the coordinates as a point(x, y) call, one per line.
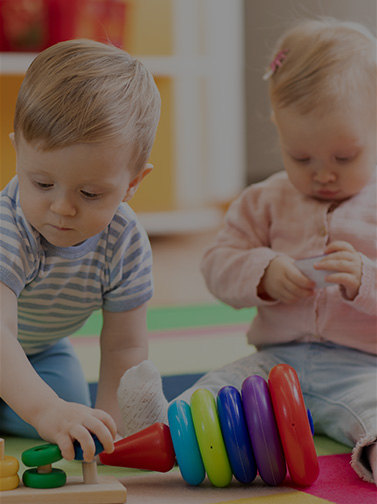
point(325, 61)
point(82, 91)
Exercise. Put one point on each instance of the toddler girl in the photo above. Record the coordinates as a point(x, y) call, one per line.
point(323, 98)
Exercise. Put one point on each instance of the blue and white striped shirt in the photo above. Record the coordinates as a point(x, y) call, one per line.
point(58, 288)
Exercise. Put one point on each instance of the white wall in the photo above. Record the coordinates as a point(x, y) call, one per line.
point(265, 20)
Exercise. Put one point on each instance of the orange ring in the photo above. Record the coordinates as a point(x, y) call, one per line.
point(293, 424)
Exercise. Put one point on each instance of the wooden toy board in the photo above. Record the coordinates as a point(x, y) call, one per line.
point(107, 491)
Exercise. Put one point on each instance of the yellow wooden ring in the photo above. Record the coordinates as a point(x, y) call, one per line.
point(9, 467)
point(9, 483)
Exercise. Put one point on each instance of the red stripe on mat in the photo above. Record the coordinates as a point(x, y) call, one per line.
point(338, 482)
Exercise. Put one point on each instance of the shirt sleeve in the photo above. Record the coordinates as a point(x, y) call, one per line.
point(366, 300)
point(234, 265)
point(18, 244)
point(130, 270)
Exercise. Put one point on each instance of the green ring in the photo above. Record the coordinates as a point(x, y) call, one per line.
point(33, 479)
point(41, 455)
point(210, 439)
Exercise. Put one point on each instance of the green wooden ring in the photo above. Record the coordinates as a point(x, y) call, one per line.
point(210, 438)
point(41, 455)
point(33, 479)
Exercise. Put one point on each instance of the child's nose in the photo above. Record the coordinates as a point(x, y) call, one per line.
point(63, 206)
point(324, 175)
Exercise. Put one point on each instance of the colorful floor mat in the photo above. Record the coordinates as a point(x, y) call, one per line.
point(183, 340)
point(336, 484)
point(182, 343)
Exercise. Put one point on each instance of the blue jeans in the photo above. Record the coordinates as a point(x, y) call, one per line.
point(339, 385)
point(60, 368)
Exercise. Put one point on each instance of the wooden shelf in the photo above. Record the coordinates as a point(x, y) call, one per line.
point(181, 221)
point(13, 63)
point(200, 152)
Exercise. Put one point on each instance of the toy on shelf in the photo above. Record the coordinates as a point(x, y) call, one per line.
point(9, 467)
point(45, 484)
point(268, 429)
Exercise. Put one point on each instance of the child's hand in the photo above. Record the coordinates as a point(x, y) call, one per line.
point(64, 422)
point(343, 258)
point(284, 282)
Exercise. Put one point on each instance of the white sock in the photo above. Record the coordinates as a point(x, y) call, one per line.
point(141, 399)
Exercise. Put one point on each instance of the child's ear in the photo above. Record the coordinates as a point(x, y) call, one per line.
point(136, 181)
point(12, 139)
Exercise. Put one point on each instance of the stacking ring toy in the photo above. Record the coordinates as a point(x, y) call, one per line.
point(41, 455)
point(236, 436)
point(263, 430)
point(259, 431)
point(185, 443)
point(210, 439)
point(54, 479)
point(294, 426)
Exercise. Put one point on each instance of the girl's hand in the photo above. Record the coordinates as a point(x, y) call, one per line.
point(343, 258)
point(284, 282)
point(64, 422)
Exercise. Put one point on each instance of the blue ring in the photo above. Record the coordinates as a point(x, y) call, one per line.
point(236, 435)
point(79, 454)
point(185, 443)
point(311, 421)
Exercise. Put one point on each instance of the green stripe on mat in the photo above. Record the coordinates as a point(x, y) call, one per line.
point(180, 317)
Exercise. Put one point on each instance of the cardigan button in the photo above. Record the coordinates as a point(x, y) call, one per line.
point(323, 231)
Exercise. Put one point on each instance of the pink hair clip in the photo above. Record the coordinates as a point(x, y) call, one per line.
point(277, 62)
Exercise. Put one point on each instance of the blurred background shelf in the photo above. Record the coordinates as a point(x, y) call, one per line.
point(208, 57)
point(17, 63)
point(199, 153)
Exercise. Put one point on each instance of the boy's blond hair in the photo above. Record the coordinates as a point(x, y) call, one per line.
point(325, 61)
point(82, 91)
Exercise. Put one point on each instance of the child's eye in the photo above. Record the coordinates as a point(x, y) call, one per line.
point(43, 185)
point(90, 195)
point(341, 159)
point(304, 160)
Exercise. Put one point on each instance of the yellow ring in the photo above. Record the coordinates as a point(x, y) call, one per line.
point(9, 467)
point(9, 483)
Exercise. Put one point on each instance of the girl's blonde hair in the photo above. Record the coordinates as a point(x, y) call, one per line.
point(82, 91)
point(325, 60)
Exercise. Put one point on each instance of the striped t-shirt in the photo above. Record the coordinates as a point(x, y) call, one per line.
point(58, 288)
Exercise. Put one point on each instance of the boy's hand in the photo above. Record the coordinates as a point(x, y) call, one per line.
point(284, 282)
point(64, 422)
point(347, 263)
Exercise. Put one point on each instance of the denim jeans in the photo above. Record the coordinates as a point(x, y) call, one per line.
point(339, 386)
point(60, 368)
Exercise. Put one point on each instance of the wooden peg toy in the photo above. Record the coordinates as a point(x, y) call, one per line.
point(44, 484)
point(44, 475)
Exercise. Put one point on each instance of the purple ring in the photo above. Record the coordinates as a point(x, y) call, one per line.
point(263, 431)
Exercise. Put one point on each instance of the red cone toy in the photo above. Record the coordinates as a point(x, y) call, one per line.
point(150, 449)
